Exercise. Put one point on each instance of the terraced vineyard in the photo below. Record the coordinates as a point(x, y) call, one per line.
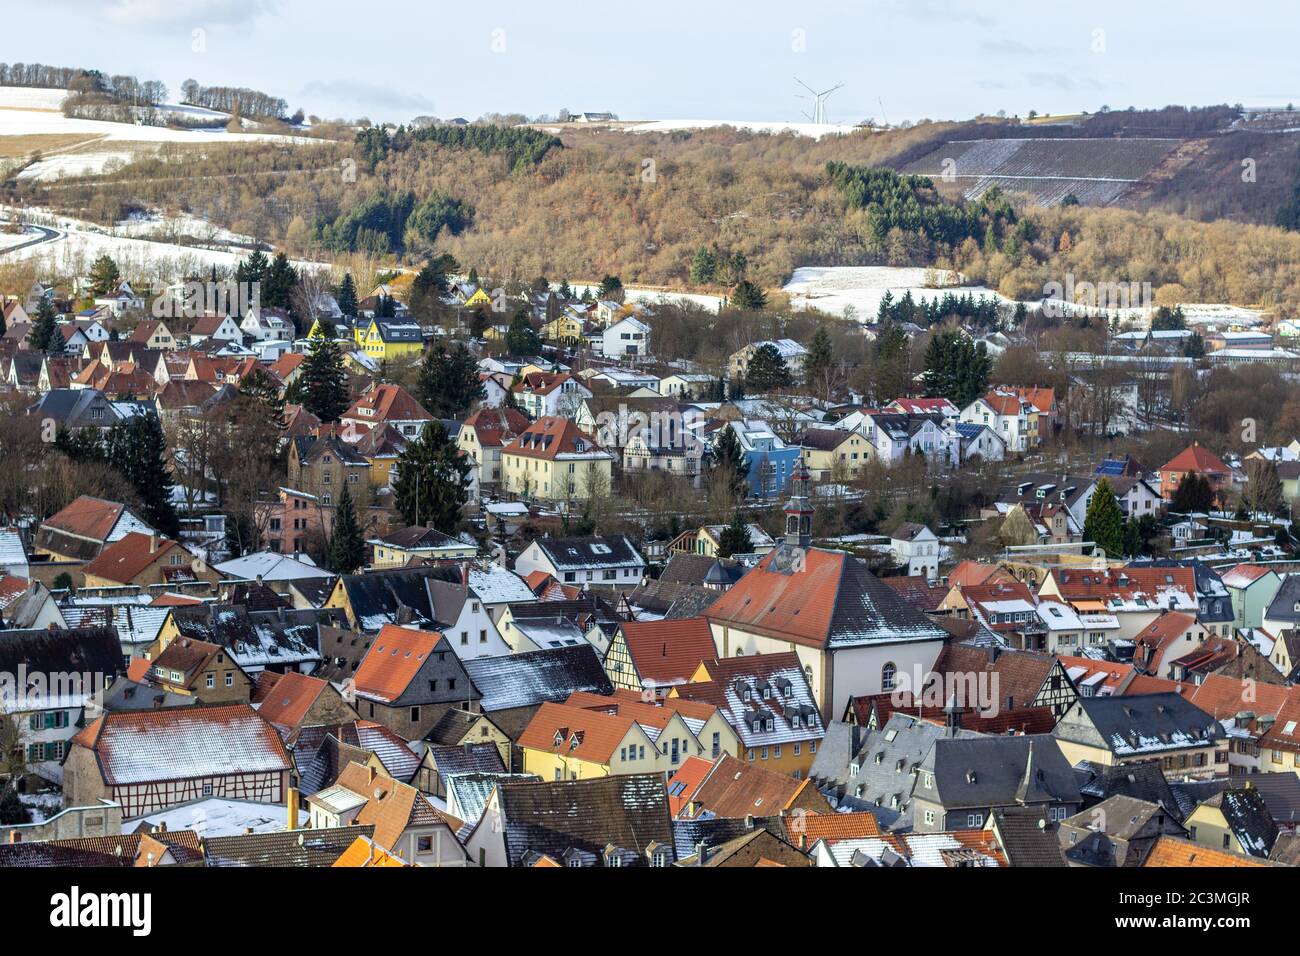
point(1096, 171)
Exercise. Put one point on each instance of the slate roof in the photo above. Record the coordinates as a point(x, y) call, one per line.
point(1248, 818)
point(290, 848)
point(607, 551)
point(820, 598)
point(981, 772)
point(1281, 795)
point(472, 758)
point(1142, 724)
point(471, 791)
point(257, 638)
point(97, 852)
point(322, 752)
point(88, 651)
point(788, 713)
point(531, 678)
point(1027, 836)
point(625, 811)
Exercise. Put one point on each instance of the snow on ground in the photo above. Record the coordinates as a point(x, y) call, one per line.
point(814, 130)
point(650, 296)
point(31, 112)
point(30, 98)
point(834, 289)
point(79, 243)
point(155, 225)
point(8, 239)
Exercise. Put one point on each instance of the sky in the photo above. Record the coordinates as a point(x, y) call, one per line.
point(391, 60)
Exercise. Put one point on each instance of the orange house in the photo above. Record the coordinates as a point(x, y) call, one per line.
point(1195, 459)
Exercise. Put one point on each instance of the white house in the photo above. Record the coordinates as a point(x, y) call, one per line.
point(267, 325)
point(978, 440)
point(686, 385)
point(1006, 414)
point(610, 561)
point(916, 547)
point(626, 338)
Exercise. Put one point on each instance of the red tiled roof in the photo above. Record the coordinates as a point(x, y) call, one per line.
point(494, 426)
point(1196, 457)
point(87, 517)
point(735, 788)
point(582, 733)
point(549, 437)
point(689, 776)
point(123, 560)
point(668, 652)
point(286, 698)
point(386, 403)
point(393, 661)
point(1171, 851)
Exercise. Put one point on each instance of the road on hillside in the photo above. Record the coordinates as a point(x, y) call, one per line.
point(46, 235)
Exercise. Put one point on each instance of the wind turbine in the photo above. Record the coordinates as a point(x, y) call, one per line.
point(819, 100)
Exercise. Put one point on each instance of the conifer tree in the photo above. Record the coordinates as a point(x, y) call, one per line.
point(322, 381)
point(432, 483)
point(1104, 523)
point(347, 545)
point(137, 448)
point(735, 538)
point(729, 458)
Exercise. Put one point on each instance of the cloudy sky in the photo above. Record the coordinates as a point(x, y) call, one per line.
point(675, 59)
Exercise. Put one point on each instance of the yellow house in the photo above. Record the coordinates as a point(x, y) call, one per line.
point(564, 742)
point(1225, 820)
point(388, 340)
point(563, 328)
point(472, 296)
point(554, 460)
point(835, 453)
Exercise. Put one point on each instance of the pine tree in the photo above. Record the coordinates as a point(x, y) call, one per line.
point(735, 538)
point(729, 458)
point(278, 283)
point(1192, 495)
point(137, 448)
point(347, 545)
point(819, 365)
point(259, 385)
point(347, 296)
point(448, 383)
point(323, 384)
point(104, 276)
point(1104, 523)
point(521, 337)
point(44, 334)
point(766, 370)
point(704, 266)
point(748, 297)
point(432, 483)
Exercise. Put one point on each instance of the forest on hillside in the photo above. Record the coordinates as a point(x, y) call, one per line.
point(642, 206)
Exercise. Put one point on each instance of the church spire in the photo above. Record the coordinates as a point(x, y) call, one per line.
point(798, 510)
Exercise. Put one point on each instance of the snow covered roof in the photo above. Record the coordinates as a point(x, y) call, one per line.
point(270, 566)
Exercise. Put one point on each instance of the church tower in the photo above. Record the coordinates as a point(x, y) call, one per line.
point(798, 510)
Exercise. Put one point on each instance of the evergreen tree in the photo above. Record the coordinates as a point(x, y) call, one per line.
point(427, 290)
point(956, 368)
point(137, 448)
point(767, 370)
point(322, 382)
point(347, 296)
point(611, 287)
point(521, 337)
point(104, 276)
point(432, 481)
point(1193, 494)
point(704, 266)
point(1104, 523)
point(819, 364)
point(347, 545)
point(729, 458)
point(448, 383)
point(44, 334)
point(252, 269)
point(748, 297)
point(12, 810)
point(259, 385)
point(278, 283)
point(735, 538)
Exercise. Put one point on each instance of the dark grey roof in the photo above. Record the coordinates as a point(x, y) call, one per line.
point(531, 678)
point(713, 831)
point(1140, 780)
point(628, 812)
point(1248, 819)
point(874, 770)
point(399, 596)
point(1027, 836)
point(1139, 724)
point(72, 406)
point(95, 651)
point(1281, 793)
point(1283, 605)
point(1189, 794)
point(1000, 771)
point(469, 758)
point(595, 551)
point(132, 695)
point(316, 847)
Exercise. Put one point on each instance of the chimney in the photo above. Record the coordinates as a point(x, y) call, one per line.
point(292, 801)
point(994, 651)
point(370, 774)
point(153, 544)
point(803, 841)
point(699, 853)
point(749, 821)
point(15, 836)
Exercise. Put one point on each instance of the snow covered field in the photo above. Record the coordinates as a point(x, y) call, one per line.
point(35, 112)
point(813, 130)
point(835, 289)
point(79, 243)
point(650, 296)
